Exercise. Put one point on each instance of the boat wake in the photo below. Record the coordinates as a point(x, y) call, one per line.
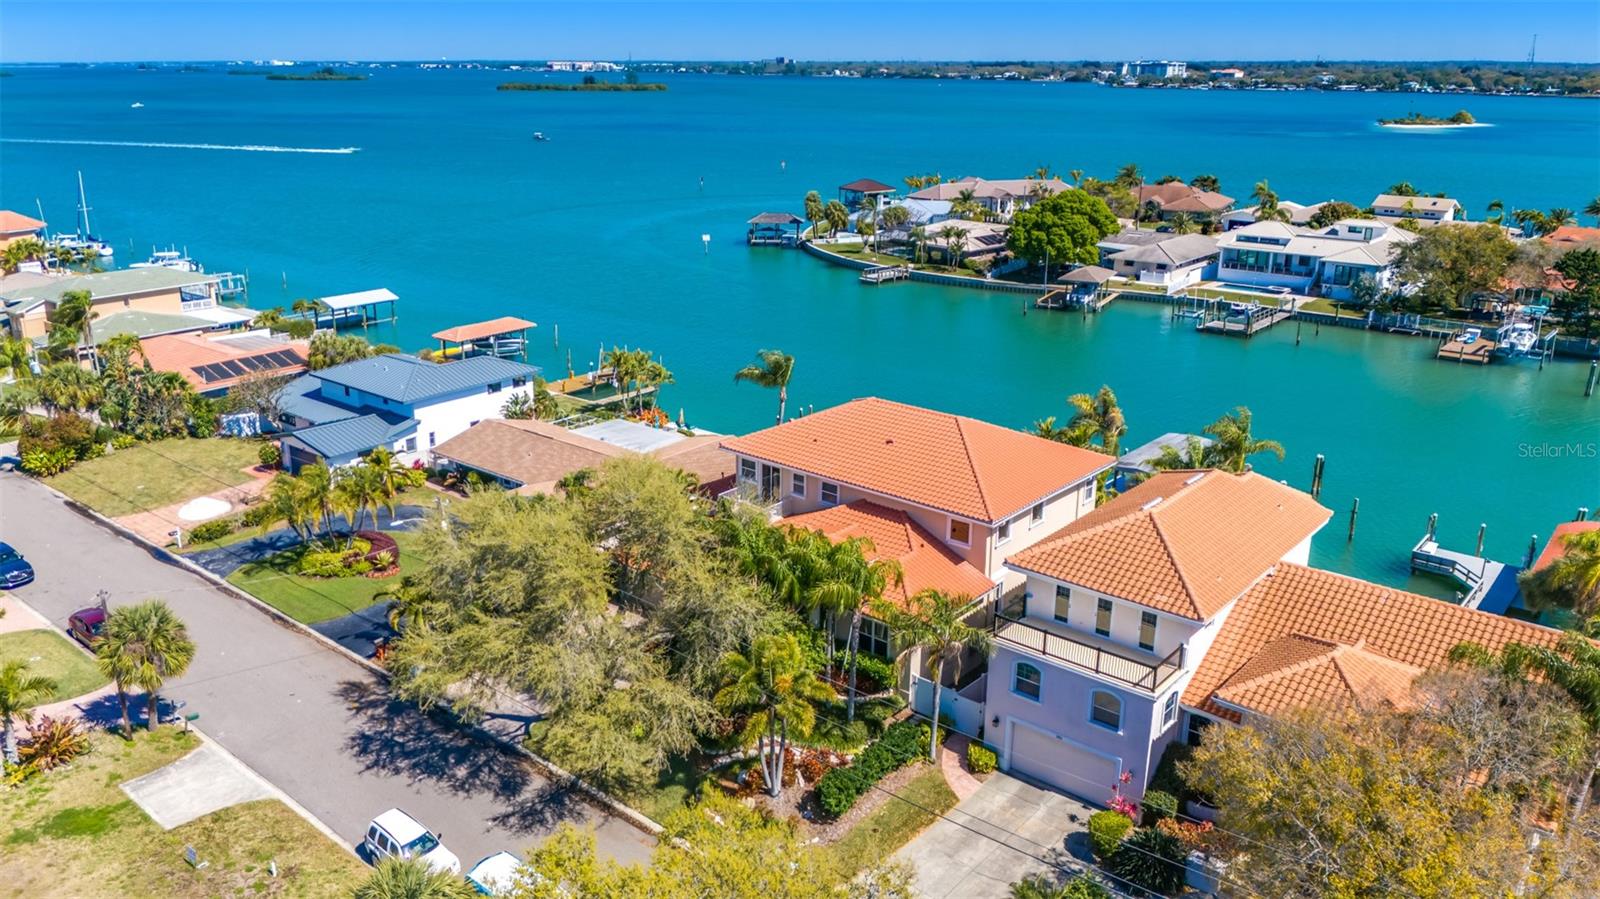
point(246, 148)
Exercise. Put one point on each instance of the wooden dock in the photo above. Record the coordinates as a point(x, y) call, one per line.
point(880, 274)
point(1216, 319)
point(1477, 352)
point(1064, 299)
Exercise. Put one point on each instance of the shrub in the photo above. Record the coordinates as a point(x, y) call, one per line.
point(874, 669)
point(1106, 830)
point(65, 432)
point(258, 515)
point(212, 530)
point(1077, 887)
point(123, 441)
point(1159, 804)
point(839, 789)
point(269, 455)
point(53, 742)
point(813, 765)
point(44, 463)
point(334, 562)
point(1167, 778)
point(980, 758)
point(1152, 859)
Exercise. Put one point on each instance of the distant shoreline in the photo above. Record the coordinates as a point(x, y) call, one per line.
point(601, 86)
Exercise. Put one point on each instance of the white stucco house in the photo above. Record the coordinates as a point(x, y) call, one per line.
point(409, 405)
point(1325, 261)
point(1176, 261)
point(1427, 210)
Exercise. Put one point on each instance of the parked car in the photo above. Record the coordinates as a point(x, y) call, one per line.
point(85, 625)
point(14, 569)
point(395, 834)
point(496, 875)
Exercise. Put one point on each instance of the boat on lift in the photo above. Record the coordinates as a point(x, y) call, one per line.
point(84, 240)
point(1522, 337)
point(169, 258)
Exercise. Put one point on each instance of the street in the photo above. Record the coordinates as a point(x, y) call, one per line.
point(310, 720)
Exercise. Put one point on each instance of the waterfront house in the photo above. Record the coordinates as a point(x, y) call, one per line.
point(337, 415)
point(1126, 239)
point(212, 363)
point(863, 192)
point(1000, 198)
point(971, 240)
point(1174, 197)
point(1173, 262)
point(1570, 237)
point(1304, 260)
point(15, 226)
point(1424, 210)
point(1299, 214)
point(1187, 601)
point(139, 301)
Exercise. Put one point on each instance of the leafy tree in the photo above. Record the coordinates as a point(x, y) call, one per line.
point(144, 646)
point(1449, 263)
point(411, 878)
point(1579, 305)
point(1232, 443)
point(1064, 226)
point(19, 692)
point(1118, 197)
point(772, 369)
point(936, 622)
point(774, 684)
point(1206, 182)
point(1332, 211)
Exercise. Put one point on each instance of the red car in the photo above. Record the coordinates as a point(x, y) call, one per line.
point(85, 624)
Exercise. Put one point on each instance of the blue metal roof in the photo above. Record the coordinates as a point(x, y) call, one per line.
point(361, 434)
point(407, 379)
point(302, 398)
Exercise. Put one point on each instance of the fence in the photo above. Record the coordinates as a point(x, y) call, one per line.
point(964, 707)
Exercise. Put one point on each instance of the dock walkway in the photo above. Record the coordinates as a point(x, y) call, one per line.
point(879, 274)
point(1489, 585)
point(1478, 351)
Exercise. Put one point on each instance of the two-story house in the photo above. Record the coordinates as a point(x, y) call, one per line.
point(1186, 601)
point(337, 415)
point(1426, 210)
point(1312, 260)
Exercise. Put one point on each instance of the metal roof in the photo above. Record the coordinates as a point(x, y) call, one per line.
point(342, 301)
point(407, 379)
point(355, 435)
point(146, 324)
point(301, 398)
point(100, 285)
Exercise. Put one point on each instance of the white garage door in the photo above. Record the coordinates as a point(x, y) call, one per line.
point(1063, 764)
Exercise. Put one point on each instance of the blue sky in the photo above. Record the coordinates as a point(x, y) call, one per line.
point(51, 30)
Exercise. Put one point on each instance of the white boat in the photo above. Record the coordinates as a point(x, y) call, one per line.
point(1471, 335)
point(137, 105)
point(85, 239)
point(179, 262)
point(1522, 337)
point(539, 135)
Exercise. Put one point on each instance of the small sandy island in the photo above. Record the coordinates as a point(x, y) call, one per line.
point(1419, 122)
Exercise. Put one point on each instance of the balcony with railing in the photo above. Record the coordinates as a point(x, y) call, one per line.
point(1087, 652)
point(750, 494)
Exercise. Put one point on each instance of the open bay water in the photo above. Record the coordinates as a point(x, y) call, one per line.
point(451, 204)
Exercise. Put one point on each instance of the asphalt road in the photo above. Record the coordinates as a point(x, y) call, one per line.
point(316, 724)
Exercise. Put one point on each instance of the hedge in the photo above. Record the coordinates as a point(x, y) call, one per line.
point(980, 758)
point(1158, 804)
point(901, 744)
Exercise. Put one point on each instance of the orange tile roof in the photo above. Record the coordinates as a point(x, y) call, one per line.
point(13, 222)
point(1573, 234)
point(184, 353)
point(1555, 548)
point(1384, 633)
point(947, 462)
point(925, 562)
point(1183, 542)
point(479, 330)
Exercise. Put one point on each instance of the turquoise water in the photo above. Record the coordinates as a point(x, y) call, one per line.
point(450, 204)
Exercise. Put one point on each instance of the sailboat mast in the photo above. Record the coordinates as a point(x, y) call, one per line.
point(39, 205)
point(83, 207)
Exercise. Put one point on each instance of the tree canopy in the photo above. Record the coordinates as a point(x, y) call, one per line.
point(1064, 225)
point(1449, 263)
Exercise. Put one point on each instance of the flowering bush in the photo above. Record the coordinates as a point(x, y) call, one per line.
point(1194, 837)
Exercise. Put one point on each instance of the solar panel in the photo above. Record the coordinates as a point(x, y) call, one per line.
point(232, 368)
point(209, 373)
point(253, 363)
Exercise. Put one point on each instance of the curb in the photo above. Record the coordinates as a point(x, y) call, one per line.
point(557, 775)
point(278, 793)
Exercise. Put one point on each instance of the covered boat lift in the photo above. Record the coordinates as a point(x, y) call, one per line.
point(348, 310)
point(505, 337)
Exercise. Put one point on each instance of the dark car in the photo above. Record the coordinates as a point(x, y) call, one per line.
point(85, 625)
point(14, 569)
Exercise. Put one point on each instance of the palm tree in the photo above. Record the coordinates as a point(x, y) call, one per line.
point(14, 355)
point(1530, 220)
point(1183, 223)
point(16, 406)
point(1129, 176)
point(1559, 217)
point(144, 646)
point(19, 692)
point(1077, 177)
point(1149, 212)
point(776, 684)
point(1232, 443)
point(919, 240)
point(1100, 416)
point(814, 210)
point(1192, 456)
point(895, 217)
point(74, 315)
point(966, 205)
point(935, 621)
point(67, 387)
point(955, 243)
point(411, 878)
point(1593, 209)
point(1497, 212)
point(1572, 581)
point(837, 217)
point(773, 369)
point(1267, 208)
point(391, 476)
point(847, 582)
point(1206, 182)
point(1046, 428)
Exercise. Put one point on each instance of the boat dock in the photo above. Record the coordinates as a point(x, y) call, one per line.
point(880, 274)
point(1062, 298)
point(352, 310)
point(595, 390)
point(1486, 584)
point(1467, 346)
point(506, 337)
point(1237, 319)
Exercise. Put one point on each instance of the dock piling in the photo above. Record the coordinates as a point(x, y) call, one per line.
point(1355, 509)
point(1482, 526)
point(1297, 323)
point(1533, 550)
point(1594, 374)
point(1316, 475)
point(1433, 525)
point(1583, 514)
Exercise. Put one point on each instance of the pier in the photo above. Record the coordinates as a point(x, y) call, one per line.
point(506, 337)
point(1466, 346)
point(1063, 298)
point(352, 310)
point(880, 274)
point(1486, 585)
point(1219, 316)
point(768, 229)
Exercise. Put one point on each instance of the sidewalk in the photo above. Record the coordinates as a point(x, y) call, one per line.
point(157, 525)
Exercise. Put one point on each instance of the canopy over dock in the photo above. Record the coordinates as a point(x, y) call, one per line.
point(349, 309)
point(505, 336)
point(767, 229)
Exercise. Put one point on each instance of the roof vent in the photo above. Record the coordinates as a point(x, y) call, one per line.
point(1151, 504)
point(1194, 478)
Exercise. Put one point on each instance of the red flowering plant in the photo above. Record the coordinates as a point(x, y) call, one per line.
point(1121, 803)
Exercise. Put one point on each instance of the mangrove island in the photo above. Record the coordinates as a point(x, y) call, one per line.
point(323, 74)
point(589, 84)
point(1462, 118)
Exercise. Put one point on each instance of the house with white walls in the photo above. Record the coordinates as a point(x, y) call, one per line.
point(405, 404)
point(1173, 262)
point(1424, 210)
point(1320, 261)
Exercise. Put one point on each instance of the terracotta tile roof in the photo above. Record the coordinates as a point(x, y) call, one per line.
point(1554, 548)
point(867, 186)
point(1573, 234)
point(1392, 630)
point(1175, 196)
point(14, 222)
point(925, 562)
point(479, 330)
point(1183, 542)
point(947, 462)
point(1298, 670)
point(191, 354)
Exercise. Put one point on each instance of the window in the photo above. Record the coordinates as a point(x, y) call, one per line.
point(1003, 532)
point(1102, 617)
point(1025, 681)
point(1147, 630)
point(830, 494)
point(1036, 515)
point(960, 532)
point(411, 444)
point(1105, 709)
point(431, 440)
point(797, 484)
point(747, 469)
point(873, 639)
point(1169, 711)
point(1063, 602)
point(519, 382)
point(495, 387)
point(1197, 726)
point(1088, 492)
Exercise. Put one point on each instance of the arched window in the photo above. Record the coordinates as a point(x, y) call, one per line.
point(1025, 681)
point(1105, 709)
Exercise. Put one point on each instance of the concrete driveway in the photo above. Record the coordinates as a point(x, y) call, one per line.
point(311, 721)
point(999, 835)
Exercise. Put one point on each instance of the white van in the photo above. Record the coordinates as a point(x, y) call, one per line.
point(395, 834)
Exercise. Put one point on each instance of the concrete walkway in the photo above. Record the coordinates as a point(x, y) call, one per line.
point(194, 786)
point(953, 762)
point(1007, 830)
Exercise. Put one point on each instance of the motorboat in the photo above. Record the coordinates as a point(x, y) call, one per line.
point(171, 258)
point(539, 136)
point(1522, 337)
point(1471, 335)
point(137, 105)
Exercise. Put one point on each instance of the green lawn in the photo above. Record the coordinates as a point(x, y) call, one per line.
point(416, 496)
point(151, 475)
point(73, 832)
point(310, 600)
point(51, 655)
point(893, 824)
